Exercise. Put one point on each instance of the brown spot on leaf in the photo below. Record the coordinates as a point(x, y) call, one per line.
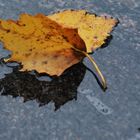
point(27, 54)
point(44, 62)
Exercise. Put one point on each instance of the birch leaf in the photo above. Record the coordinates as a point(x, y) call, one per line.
point(93, 29)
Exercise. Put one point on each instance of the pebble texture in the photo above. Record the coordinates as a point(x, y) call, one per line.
point(95, 115)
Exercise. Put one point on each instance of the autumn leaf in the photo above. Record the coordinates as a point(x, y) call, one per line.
point(40, 44)
point(93, 29)
point(51, 44)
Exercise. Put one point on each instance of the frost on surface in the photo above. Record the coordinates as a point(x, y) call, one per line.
point(3, 53)
point(4, 69)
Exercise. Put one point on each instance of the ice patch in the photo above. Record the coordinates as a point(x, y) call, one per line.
point(97, 103)
point(101, 107)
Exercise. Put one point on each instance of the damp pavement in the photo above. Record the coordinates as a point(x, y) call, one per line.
point(83, 110)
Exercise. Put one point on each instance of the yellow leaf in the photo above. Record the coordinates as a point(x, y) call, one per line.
point(40, 44)
point(51, 44)
point(93, 29)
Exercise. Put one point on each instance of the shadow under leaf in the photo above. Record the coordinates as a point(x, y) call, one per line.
point(59, 90)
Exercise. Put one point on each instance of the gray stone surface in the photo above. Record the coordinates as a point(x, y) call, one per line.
point(95, 115)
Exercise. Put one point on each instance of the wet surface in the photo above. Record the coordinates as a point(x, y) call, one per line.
point(58, 90)
point(99, 115)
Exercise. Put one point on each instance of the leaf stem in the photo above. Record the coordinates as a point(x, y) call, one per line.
point(103, 81)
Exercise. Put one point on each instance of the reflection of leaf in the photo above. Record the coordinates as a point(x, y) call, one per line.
point(92, 29)
point(41, 44)
point(59, 90)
